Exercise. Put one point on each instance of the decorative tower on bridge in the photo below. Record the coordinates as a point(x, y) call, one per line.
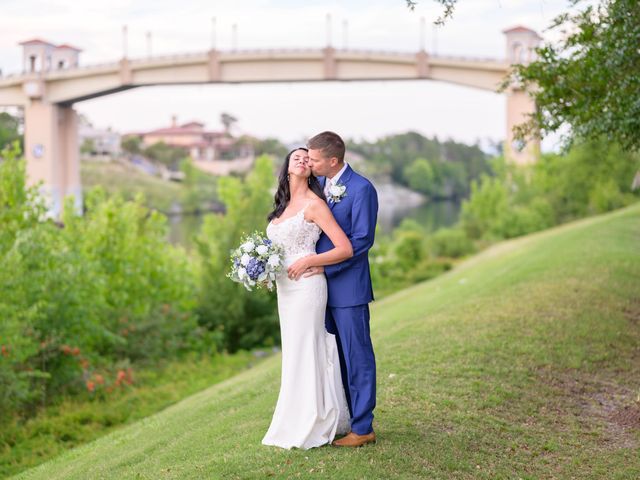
point(51, 129)
point(521, 44)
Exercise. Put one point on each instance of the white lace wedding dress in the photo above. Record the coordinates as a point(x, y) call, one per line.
point(311, 407)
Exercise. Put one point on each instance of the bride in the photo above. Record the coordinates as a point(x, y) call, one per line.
point(312, 406)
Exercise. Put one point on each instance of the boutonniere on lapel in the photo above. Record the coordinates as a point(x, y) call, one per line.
point(337, 192)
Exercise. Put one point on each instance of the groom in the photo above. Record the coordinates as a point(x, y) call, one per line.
point(354, 203)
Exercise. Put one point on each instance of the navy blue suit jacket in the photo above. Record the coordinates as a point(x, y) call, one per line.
point(349, 282)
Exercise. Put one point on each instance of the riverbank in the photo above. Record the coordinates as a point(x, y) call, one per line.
point(396, 202)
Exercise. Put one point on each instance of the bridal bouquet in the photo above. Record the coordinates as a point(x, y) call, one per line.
point(256, 262)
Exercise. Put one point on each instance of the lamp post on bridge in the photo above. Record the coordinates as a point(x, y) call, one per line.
point(213, 33)
point(345, 34)
point(234, 37)
point(329, 61)
point(124, 41)
point(212, 55)
point(422, 57)
point(149, 44)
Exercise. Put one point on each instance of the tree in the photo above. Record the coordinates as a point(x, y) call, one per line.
point(448, 6)
point(199, 188)
point(132, 144)
point(9, 130)
point(267, 146)
point(588, 81)
point(167, 155)
point(227, 120)
point(453, 165)
point(419, 176)
point(481, 212)
point(88, 146)
point(246, 319)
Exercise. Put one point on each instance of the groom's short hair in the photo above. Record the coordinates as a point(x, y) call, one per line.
point(330, 143)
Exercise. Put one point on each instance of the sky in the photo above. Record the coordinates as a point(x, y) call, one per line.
point(291, 112)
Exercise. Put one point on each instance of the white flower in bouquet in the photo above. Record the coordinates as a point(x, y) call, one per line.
point(262, 249)
point(248, 246)
point(274, 260)
point(245, 259)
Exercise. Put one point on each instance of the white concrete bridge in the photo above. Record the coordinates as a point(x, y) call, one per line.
point(47, 94)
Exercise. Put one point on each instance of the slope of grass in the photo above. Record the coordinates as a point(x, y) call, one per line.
point(522, 362)
point(72, 421)
point(128, 181)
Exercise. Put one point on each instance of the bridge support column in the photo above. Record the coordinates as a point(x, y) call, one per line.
point(519, 104)
point(214, 65)
point(422, 62)
point(330, 67)
point(51, 152)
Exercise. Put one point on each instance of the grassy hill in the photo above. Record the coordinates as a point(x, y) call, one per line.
point(127, 180)
point(522, 362)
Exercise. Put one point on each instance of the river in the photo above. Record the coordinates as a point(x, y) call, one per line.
point(395, 204)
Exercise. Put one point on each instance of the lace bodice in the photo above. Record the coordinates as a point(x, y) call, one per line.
point(297, 235)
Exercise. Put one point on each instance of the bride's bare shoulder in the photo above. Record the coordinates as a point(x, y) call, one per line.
point(316, 207)
point(316, 203)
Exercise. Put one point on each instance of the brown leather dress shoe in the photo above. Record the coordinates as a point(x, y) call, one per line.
point(355, 440)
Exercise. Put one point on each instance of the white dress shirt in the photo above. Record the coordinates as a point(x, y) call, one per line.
point(333, 180)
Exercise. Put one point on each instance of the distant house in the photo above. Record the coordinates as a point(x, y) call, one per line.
point(100, 142)
point(216, 152)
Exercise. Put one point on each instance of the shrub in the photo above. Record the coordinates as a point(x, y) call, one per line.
point(101, 290)
point(605, 196)
point(246, 319)
point(450, 242)
point(522, 219)
point(480, 214)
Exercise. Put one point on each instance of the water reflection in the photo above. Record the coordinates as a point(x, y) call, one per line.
point(431, 215)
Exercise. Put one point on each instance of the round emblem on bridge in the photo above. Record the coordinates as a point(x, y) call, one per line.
point(38, 150)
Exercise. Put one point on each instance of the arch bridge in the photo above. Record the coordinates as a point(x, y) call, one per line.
point(53, 81)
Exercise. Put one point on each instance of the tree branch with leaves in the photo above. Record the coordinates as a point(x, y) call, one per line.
point(589, 80)
point(448, 6)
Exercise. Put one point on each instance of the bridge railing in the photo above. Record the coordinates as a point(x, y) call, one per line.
point(255, 51)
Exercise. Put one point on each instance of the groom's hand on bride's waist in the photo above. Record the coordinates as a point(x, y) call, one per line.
point(297, 268)
point(313, 271)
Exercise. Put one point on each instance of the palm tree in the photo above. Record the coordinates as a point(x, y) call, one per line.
point(227, 120)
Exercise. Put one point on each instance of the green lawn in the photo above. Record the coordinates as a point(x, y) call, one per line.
point(521, 362)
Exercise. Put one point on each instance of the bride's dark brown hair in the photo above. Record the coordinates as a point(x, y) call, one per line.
point(283, 194)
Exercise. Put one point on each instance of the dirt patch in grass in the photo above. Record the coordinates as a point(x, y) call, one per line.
point(599, 402)
point(632, 311)
point(628, 416)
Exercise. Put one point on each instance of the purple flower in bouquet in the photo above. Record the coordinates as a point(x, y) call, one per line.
point(254, 268)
